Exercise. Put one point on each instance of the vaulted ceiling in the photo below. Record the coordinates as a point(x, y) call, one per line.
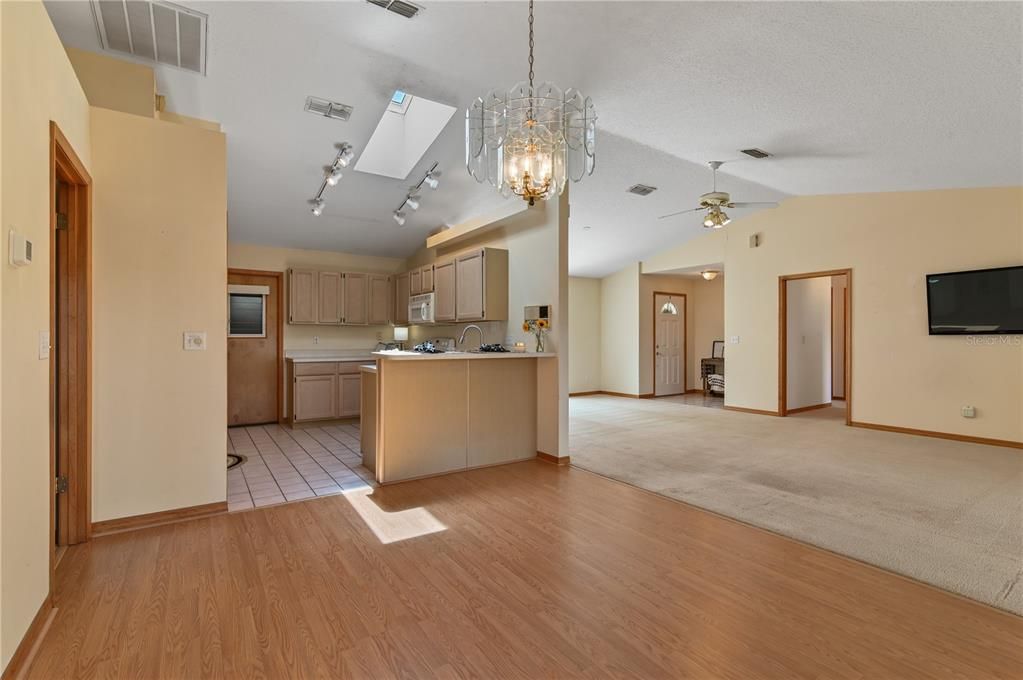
point(849, 97)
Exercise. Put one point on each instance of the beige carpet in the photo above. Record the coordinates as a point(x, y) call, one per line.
point(943, 512)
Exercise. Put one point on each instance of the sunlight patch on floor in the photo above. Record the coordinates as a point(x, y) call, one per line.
point(392, 527)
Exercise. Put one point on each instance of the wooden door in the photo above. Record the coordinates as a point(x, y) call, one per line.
point(427, 279)
point(330, 305)
point(402, 291)
point(356, 298)
point(380, 303)
point(254, 360)
point(303, 300)
point(669, 329)
point(469, 277)
point(444, 280)
point(415, 281)
point(349, 395)
point(315, 397)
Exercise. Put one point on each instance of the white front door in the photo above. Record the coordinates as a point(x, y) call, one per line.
point(669, 327)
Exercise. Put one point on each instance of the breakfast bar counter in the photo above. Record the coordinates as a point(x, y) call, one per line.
point(440, 413)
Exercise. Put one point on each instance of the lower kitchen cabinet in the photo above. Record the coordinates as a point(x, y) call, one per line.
point(324, 390)
point(315, 397)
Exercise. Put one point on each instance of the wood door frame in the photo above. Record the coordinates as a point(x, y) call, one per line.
point(783, 336)
point(67, 167)
point(685, 343)
point(281, 419)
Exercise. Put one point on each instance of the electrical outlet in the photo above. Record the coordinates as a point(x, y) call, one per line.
point(195, 341)
point(969, 412)
point(316, 339)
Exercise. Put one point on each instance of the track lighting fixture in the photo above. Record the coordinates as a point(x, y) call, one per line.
point(333, 175)
point(413, 199)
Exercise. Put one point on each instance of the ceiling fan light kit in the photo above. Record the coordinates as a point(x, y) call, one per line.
point(713, 202)
point(333, 175)
point(530, 140)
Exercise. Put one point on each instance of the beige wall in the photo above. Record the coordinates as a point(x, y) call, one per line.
point(708, 316)
point(267, 258)
point(38, 86)
point(891, 241)
point(115, 83)
point(159, 255)
point(808, 342)
point(619, 331)
point(584, 334)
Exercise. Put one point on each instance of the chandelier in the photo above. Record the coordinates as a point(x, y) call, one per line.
point(530, 140)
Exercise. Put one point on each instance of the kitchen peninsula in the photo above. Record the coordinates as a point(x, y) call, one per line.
point(439, 413)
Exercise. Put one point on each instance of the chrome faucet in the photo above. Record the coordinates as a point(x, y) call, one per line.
point(466, 330)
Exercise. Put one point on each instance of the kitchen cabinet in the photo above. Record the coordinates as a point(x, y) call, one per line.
point(315, 397)
point(380, 299)
point(302, 295)
point(356, 299)
point(426, 279)
point(481, 285)
point(445, 287)
point(402, 291)
point(415, 281)
point(329, 301)
point(349, 395)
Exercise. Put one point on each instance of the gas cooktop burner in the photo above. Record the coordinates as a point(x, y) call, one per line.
point(427, 348)
point(497, 347)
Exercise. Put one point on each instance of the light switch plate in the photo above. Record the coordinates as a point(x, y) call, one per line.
point(734, 339)
point(44, 344)
point(195, 340)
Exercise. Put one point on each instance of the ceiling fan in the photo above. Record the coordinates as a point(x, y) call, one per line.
point(714, 201)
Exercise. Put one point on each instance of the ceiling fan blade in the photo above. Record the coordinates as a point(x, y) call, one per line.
point(762, 204)
point(680, 212)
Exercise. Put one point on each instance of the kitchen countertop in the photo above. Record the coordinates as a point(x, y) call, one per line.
point(406, 355)
point(372, 368)
point(315, 355)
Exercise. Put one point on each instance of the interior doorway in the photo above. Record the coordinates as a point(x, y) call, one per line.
point(815, 342)
point(255, 347)
point(69, 346)
point(669, 344)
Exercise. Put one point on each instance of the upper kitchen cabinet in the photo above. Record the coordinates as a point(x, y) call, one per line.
point(446, 290)
point(380, 299)
point(330, 309)
point(426, 278)
point(415, 281)
point(356, 299)
point(303, 300)
point(402, 291)
point(481, 283)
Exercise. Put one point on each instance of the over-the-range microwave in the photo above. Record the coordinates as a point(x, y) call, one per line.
point(420, 308)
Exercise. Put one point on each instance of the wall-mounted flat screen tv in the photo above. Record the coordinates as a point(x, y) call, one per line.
point(975, 302)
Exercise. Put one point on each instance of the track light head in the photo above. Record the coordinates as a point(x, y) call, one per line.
point(399, 217)
point(318, 206)
point(334, 177)
point(431, 181)
point(412, 202)
point(346, 155)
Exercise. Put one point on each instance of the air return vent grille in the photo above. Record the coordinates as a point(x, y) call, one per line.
point(405, 9)
point(325, 107)
point(156, 31)
point(641, 189)
point(755, 153)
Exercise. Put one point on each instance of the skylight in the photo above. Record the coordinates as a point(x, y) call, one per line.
point(407, 128)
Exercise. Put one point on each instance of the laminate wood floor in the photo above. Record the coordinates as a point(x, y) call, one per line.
point(520, 571)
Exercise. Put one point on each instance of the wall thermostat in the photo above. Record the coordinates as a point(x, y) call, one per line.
point(19, 249)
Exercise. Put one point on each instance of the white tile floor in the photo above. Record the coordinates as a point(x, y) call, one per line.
point(284, 465)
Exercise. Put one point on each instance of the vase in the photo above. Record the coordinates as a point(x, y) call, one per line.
point(539, 342)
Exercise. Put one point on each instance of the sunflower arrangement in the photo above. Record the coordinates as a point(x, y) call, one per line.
point(539, 328)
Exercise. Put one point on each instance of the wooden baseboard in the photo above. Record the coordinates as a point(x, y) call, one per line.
point(648, 395)
point(584, 394)
point(696, 390)
point(941, 435)
point(755, 411)
point(25, 652)
point(113, 526)
point(549, 458)
point(801, 409)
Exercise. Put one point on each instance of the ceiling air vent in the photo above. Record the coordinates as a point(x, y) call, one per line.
point(641, 189)
point(405, 9)
point(161, 32)
point(325, 107)
point(755, 153)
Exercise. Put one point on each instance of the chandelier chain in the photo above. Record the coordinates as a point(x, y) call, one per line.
point(530, 47)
